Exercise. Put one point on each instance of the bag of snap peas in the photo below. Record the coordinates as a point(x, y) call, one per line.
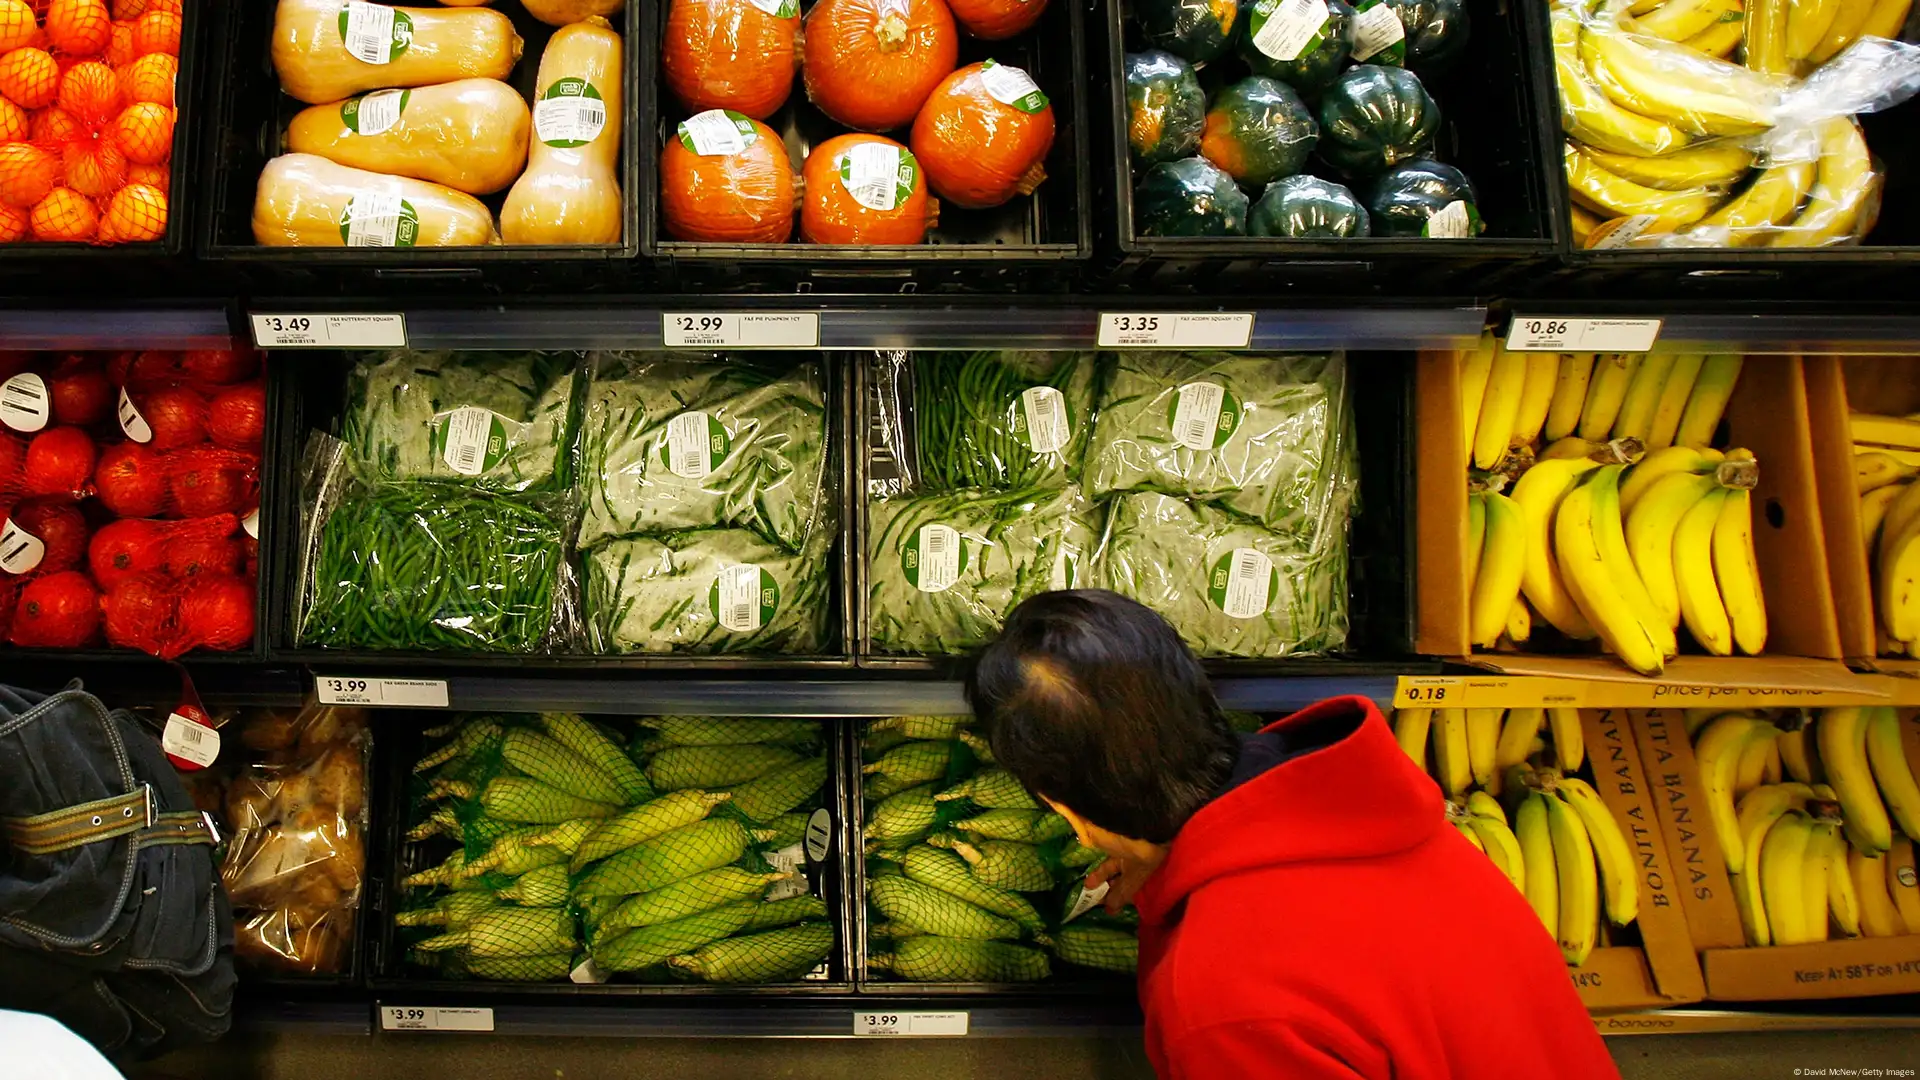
point(944, 570)
point(706, 591)
point(988, 419)
point(502, 421)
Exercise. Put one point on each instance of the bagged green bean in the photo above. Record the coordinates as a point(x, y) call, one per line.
point(1260, 435)
point(708, 591)
point(1229, 586)
point(503, 421)
point(944, 570)
point(672, 443)
point(988, 419)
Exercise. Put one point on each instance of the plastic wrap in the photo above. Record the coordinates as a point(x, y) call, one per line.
point(1424, 198)
point(502, 421)
point(726, 178)
point(706, 590)
point(990, 419)
point(943, 570)
point(1259, 130)
point(1308, 207)
point(1189, 197)
point(1166, 109)
point(1303, 45)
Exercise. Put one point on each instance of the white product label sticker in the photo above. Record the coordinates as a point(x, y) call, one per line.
point(1168, 330)
point(373, 219)
point(188, 741)
point(1045, 411)
point(791, 861)
point(330, 331)
point(1089, 898)
point(588, 973)
point(773, 330)
point(739, 603)
point(1196, 414)
point(779, 9)
point(428, 1018)
point(1374, 29)
point(1010, 86)
point(873, 175)
point(395, 693)
point(25, 404)
point(131, 422)
point(910, 1023)
point(369, 34)
point(468, 430)
point(713, 133)
point(251, 523)
point(1249, 584)
point(939, 557)
point(819, 836)
point(20, 550)
point(1452, 222)
point(572, 114)
point(1547, 333)
point(1290, 28)
point(1623, 232)
point(380, 110)
point(689, 445)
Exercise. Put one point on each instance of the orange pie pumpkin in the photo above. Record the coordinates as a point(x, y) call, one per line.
point(983, 135)
point(994, 20)
point(743, 197)
point(730, 54)
point(871, 63)
point(865, 189)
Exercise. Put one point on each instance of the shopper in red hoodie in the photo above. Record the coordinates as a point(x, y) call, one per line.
point(1305, 910)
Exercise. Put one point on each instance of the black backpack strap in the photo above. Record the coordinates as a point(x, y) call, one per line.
point(87, 823)
point(182, 827)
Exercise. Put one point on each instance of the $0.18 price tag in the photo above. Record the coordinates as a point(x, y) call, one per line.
point(309, 331)
point(1553, 334)
point(393, 693)
point(769, 330)
point(909, 1023)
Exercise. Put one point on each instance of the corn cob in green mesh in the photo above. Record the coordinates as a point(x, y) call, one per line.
point(787, 912)
point(877, 743)
point(716, 766)
point(544, 887)
point(511, 855)
point(1078, 856)
point(728, 731)
point(937, 728)
point(516, 798)
point(879, 786)
point(982, 749)
point(546, 760)
point(565, 837)
point(509, 932)
point(469, 739)
point(650, 945)
point(579, 735)
point(544, 968)
point(947, 872)
point(1004, 864)
point(453, 910)
point(787, 830)
point(904, 900)
point(938, 959)
point(447, 873)
point(882, 931)
point(775, 956)
point(1100, 947)
point(701, 892)
point(1026, 826)
point(667, 858)
point(903, 818)
point(777, 792)
point(644, 822)
point(919, 762)
point(991, 789)
point(442, 822)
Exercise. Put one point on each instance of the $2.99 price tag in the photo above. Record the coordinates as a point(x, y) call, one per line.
point(392, 693)
point(769, 330)
point(910, 1023)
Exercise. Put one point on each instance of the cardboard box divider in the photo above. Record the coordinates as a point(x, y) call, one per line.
point(1706, 889)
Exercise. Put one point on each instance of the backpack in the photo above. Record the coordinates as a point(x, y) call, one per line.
point(112, 917)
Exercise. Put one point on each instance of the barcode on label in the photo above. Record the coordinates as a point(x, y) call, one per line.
point(937, 543)
point(1247, 566)
point(370, 32)
point(1195, 431)
point(374, 220)
point(468, 459)
point(189, 741)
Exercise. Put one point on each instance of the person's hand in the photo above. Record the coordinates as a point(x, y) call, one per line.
point(1124, 877)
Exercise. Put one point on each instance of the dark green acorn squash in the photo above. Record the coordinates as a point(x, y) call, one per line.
point(1373, 118)
point(1307, 206)
point(1424, 198)
point(1436, 32)
point(1316, 66)
point(1198, 30)
point(1189, 197)
point(1166, 109)
point(1259, 131)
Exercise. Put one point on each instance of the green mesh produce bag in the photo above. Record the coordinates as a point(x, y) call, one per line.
point(706, 591)
point(944, 570)
point(497, 420)
point(988, 419)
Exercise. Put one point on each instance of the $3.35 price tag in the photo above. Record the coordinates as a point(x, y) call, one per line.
point(393, 693)
point(303, 330)
point(766, 330)
point(910, 1023)
point(431, 1018)
point(1553, 334)
point(1175, 330)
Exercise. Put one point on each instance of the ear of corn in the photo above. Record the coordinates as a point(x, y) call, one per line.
point(515, 798)
point(509, 932)
point(947, 872)
point(701, 892)
point(1076, 855)
point(982, 749)
point(922, 727)
point(729, 731)
point(512, 855)
point(670, 857)
point(442, 822)
point(1100, 947)
point(447, 873)
point(991, 789)
point(787, 912)
point(579, 735)
point(545, 968)
point(546, 760)
point(787, 830)
point(880, 930)
point(1005, 864)
point(716, 766)
point(780, 791)
point(453, 910)
point(1026, 826)
point(565, 837)
point(774, 956)
point(904, 818)
point(471, 738)
point(919, 762)
point(644, 822)
point(937, 959)
point(879, 786)
point(546, 886)
point(652, 945)
point(906, 901)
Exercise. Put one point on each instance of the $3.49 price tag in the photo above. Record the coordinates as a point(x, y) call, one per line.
point(392, 693)
point(431, 1018)
point(910, 1023)
point(767, 330)
point(303, 330)
point(1554, 334)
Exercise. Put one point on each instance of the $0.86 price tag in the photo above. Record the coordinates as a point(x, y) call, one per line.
point(1551, 334)
point(429, 1018)
point(770, 330)
point(909, 1023)
point(396, 693)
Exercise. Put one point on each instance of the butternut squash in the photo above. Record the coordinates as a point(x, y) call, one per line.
point(304, 200)
point(325, 51)
point(470, 135)
point(567, 12)
point(570, 193)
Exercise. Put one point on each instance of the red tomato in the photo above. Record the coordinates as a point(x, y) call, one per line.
point(131, 481)
point(59, 461)
point(237, 417)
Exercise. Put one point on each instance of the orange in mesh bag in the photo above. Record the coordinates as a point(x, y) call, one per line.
point(157, 31)
point(27, 174)
point(137, 213)
point(54, 126)
point(90, 92)
point(144, 131)
point(149, 78)
point(13, 224)
point(65, 216)
point(77, 27)
point(29, 77)
point(14, 124)
point(95, 169)
point(17, 25)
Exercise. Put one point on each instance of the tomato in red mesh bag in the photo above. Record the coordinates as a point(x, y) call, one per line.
point(9, 599)
point(219, 366)
point(237, 417)
point(203, 554)
point(207, 480)
point(55, 537)
point(174, 416)
point(124, 548)
point(217, 613)
point(58, 611)
point(13, 463)
point(80, 390)
point(131, 481)
point(59, 462)
point(143, 612)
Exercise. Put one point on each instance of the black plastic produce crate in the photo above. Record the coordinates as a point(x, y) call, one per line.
point(391, 857)
point(1497, 126)
point(246, 121)
point(1037, 242)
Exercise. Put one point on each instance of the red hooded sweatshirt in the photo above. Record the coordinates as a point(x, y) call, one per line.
point(1321, 919)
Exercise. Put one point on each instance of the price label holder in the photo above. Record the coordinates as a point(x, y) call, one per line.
point(910, 1023)
point(391, 693)
point(1487, 692)
point(305, 330)
point(1175, 330)
point(764, 330)
point(432, 1018)
point(1551, 333)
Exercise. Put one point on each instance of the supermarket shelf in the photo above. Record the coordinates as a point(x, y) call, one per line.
point(62, 329)
point(1781, 329)
point(1721, 1021)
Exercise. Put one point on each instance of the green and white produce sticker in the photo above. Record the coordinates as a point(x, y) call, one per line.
point(717, 133)
point(371, 114)
point(1243, 583)
point(1378, 36)
point(743, 598)
point(879, 176)
point(1012, 86)
point(1041, 420)
point(571, 113)
point(379, 219)
point(375, 33)
point(933, 558)
point(696, 445)
point(1287, 29)
point(475, 439)
point(1454, 221)
point(779, 9)
point(1202, 416)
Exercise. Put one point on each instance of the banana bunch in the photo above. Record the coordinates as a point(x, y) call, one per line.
point(1465, 749)
point(1885, 460)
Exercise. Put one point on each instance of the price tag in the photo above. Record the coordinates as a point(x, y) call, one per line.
point(429, 1018)
point(769, 330)
point(1487, 692)
point(1168, 330)
point(396, 693)
point(1089, 898)
point(909, 1023)
point(307, 331)
point(1552, 334)
point(184, 739)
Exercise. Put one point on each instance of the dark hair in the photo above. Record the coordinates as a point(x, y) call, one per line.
point(1091, 699)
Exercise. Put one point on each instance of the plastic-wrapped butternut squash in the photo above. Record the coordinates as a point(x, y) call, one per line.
point(325, 51)
point(570, 193)
point(565, 12)
point(470, 135)
point(305, 200)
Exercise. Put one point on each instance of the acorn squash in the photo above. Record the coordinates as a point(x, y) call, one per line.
point(1435, 33)
point(1373, 118)
point(1279, 46)
point(983, 134)
point(865, 189)
point(725, 177)
point(1307, 207)
point(731, 54)
point(1259, 131)
point(1166, 109)
point(996, 20)
point(1189, 197)
point(1196, 30)
point(1424, 198)
point(870, 64)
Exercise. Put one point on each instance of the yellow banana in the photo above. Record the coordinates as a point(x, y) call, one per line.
point(1588, 115)
point(1618, 879)
point(1708, 402)
point(1597, 578)
point(1796, 754)
point(1756, 814)
point(1750, 771)
point(1886, 20)
point(1569, 393)
point(1737, 572)
point(1672, 404)
point(1843, 900)
point(1410, 731)
point(1522, 726)
point(1842, 737)
point(1481, 804)
point(1483, 736)
point(1582, 222)
point(1701, 606)
point(1650, 528)
point(1643, 396)
point(1903, 883)
point(1673, 83)
point(1678, 20)
point(1847, 23)
point(1612, 374)
point(1538, 495)
point(1519, 622)
point(1450, 750)
point(1658, 465)
point(1754, 216)
point(1878, 918)
point(1472, 837)
point(1783, 877)
point(1873, 509)
point(1476, 535)
point(1766, 37)
point(1696, 719)
point(1502, 847)
point(1536, 851)
point(1618, 196)
point(1720, 39)
point(1721, 743)
point(1579, 882)
point(1475, 367)
point(1846, 184)
point(1503, 560)
point(1815, 869)
point(1807, 24)
point(1609, 532)
point(1899, 583)
point(1641, 7)
point(1884, 430)
point(1888, 759)
point(1901, 513)
point(1569, 741)
point(1773, 773)
point(1536, 397)
point(1876, 469)
point(1493, 434)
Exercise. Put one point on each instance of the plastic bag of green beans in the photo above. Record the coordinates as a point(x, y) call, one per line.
point(672, 443)
point(987, 419)
point(503, 421)
point(943, 570)
point(1259, 435)
point(707, 591)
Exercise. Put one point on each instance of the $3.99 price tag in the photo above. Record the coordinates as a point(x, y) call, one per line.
point(392, 693)
point(910, 1023)
point(430, 1018)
